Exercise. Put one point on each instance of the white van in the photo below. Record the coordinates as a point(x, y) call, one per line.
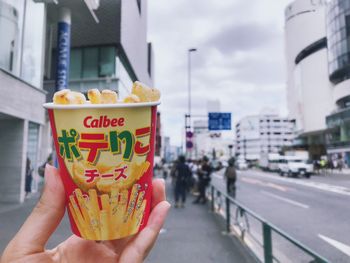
point(295, 166)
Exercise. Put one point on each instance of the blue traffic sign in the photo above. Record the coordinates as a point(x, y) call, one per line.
point(219, 121)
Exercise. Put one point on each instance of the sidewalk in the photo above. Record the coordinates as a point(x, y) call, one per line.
point(194, 234)
point(191, 234)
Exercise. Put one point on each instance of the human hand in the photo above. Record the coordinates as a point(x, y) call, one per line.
point(28, 245)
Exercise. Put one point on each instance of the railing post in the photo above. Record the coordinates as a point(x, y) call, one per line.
point(212, 199)
point(228, 215)
point(268, 257)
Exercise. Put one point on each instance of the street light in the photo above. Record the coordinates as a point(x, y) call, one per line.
point(189, 80)
point(188, 116)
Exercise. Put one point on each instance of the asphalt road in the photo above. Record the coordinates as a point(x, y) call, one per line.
point(313, 211)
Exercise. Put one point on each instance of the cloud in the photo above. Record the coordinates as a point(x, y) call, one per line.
point(242, 37)
point(239, 61)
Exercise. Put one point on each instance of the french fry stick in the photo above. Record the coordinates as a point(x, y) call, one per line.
point(93, 210)
point(137, 218)
point(76, 221)
point(119, 216)
point(84, 211)
point(86, 230)
point(104, 225)
point(114, 200)
point(130, 209)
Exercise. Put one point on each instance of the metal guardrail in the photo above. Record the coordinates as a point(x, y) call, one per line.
point(241, 225)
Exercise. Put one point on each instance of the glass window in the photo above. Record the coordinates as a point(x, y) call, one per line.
point(32, 148)
point(90, 62)
point(125, 81)
point(33, 43)
point(75, 67)
point(107, 61)
point(11, 23)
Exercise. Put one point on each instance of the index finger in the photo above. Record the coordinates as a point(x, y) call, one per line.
point(158, 193)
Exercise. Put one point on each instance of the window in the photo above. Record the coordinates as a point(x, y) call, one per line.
point(11, 30)
point(139, 5)
point(107, 61)
point(75, 68)
point(31, 70)
point(90, 62)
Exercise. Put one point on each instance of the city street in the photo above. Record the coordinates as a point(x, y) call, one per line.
point(313, 211)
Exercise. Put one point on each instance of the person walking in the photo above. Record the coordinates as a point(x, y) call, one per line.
point(231, 177)
point(182, 174)
point(28, 178)
point(204, 173)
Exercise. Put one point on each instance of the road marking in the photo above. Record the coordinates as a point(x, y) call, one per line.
point(285, 200)
point(341, 246)
point(268, 184)
point(318, 185)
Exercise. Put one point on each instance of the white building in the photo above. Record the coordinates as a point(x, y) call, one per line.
point(318, 66)
point(309, 93)
point(264, 133)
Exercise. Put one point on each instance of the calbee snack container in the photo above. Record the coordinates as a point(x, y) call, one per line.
point(105, 154)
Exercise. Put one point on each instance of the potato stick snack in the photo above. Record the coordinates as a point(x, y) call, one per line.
point(105, 150)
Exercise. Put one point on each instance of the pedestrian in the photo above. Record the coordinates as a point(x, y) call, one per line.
point(28, 178)
point(340, 164)
point(231, 177)
point(41, 169)
point(204, 173)
point(29, 244)
point(182, 174)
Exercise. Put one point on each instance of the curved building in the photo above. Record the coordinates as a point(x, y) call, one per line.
point(338, 40)
point(309, 92)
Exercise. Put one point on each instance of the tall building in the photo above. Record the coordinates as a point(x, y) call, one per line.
point(338, 39)
point(264, 133)
point(22, 30)
point(318, 64)
point(110, 53)
point(108, 49)
point(108, 46)
point(309, 93)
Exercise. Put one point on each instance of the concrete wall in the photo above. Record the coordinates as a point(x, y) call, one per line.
point(13, 140)
point(134, 37)
point(308, 86)
point(315, 91)
point(21, 100)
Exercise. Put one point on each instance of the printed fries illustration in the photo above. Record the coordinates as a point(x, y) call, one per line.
point(103, 178)
point(109, 216)
point(140, 93)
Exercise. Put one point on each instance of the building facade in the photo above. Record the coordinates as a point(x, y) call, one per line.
point(108, 49)
point(307, 73)
point(338, 39)
point(264, 133)
point(318, 85)
point(21, 114)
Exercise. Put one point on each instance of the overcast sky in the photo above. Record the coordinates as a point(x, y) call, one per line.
point(240, 57)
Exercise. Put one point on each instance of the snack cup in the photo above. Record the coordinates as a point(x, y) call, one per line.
point(105, 154)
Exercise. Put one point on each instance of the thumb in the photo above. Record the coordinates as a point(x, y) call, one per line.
point(44, 218)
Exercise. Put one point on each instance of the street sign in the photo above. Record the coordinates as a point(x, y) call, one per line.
point(219, 121)
point(189, 145)
point(189, 134)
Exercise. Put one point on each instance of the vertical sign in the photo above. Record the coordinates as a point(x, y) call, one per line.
point(63, 50)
